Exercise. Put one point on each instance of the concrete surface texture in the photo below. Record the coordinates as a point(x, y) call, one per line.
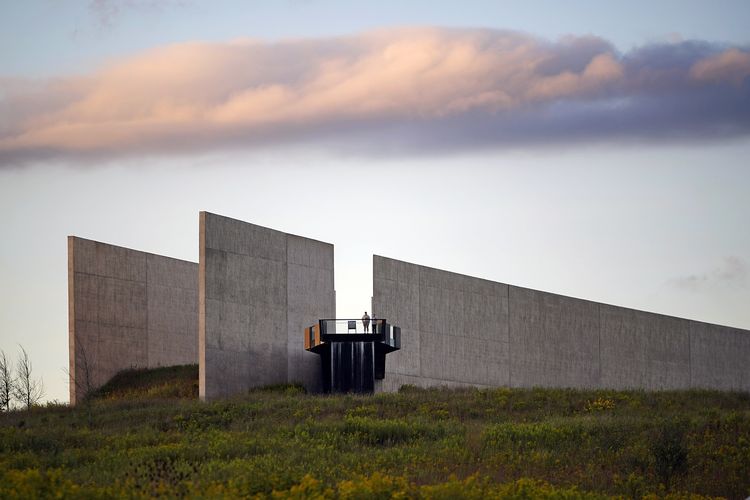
point(464, 331)
point(241, 313)
point(258, 290)
point(127, 309)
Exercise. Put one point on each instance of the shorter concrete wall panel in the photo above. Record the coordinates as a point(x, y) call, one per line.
point(86, 293)
point(395, 270)
point(453, 328)
point(399, 304)
point(407, 360)
point(643, 350)
point(398, 301)
point(396, 297)
point(719, 357)
point(393, 383)
point(441, 310)
point(463, 359)
point(129, 309)
point(554, 340)
point(85, 357)
point(167, 308)
point(485, 317)
point(121, 302)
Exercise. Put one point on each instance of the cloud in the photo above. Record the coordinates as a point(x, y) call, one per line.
point(730, 66)
point(409, 90)
point(106, 13)
point(731, 273)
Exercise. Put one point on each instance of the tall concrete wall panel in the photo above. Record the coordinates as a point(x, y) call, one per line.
point(310, 296)
point(258, 289)
point(127, 309)
point(464, 331)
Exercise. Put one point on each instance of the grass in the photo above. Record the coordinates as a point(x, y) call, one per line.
point(145, 435)
point(166, 382)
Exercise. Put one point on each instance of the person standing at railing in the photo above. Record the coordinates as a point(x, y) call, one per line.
point(366, 322)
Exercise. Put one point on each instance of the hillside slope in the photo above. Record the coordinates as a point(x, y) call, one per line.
point(143, 439)
point(157, 383)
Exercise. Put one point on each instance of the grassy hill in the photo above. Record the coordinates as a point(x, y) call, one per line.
point(145, 435)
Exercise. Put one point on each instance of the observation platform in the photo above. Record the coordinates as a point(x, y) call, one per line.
point(352, 352)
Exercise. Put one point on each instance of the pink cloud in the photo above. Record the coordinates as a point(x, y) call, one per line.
point(731, 66)
point(202, 96)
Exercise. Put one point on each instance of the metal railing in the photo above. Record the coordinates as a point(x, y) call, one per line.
point(352, 330)
point(352, 326)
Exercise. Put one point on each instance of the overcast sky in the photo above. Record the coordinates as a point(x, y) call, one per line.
point(584, 148)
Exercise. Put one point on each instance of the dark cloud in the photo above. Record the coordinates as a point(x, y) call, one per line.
point(732, 273)
point(416, 91)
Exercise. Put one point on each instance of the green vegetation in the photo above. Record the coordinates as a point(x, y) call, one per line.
point(157, 383)
point(145, 434)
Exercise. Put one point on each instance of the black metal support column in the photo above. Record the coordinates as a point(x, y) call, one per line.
point(352, 367)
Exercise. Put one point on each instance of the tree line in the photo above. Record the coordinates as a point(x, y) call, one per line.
point(19, 387)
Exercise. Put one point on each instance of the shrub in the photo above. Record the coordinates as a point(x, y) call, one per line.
point(527, 436)
point(600, 404)
point(388, 432)
point(669, 451)
point(33, 483)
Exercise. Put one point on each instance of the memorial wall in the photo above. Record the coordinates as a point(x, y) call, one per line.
point(127, 309)
point(462, 331)
point(240, 313)
point(259, 288)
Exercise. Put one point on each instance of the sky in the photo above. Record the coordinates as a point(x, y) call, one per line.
point(592, 149)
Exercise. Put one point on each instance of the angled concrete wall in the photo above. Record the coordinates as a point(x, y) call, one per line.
point(258, 289)
point(711, 345)
point(640, 349)
point(554, 340)
point(464, 331)
point(127, 309)
point(454, 329)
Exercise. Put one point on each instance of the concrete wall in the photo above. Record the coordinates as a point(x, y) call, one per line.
point(258, 289)
point(127, 309)
point(464, 331)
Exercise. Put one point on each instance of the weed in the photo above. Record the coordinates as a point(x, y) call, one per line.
point(145, 434)
point(669, 451)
